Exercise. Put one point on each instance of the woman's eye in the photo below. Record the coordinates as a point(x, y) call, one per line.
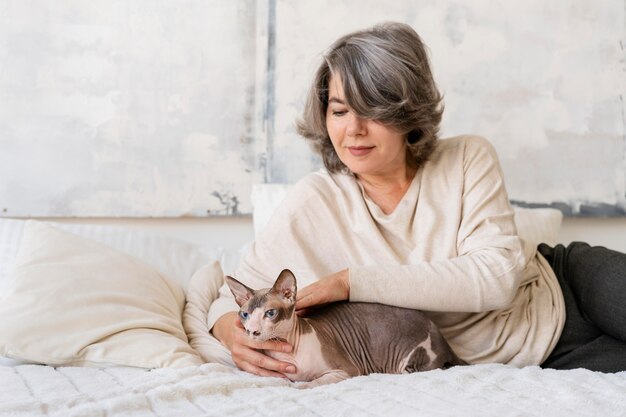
point(270, 313)
point(243, 315)
point(339, 113)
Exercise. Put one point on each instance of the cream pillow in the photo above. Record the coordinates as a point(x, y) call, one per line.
point(175, 258)
point(73, 301)
point(538, 225)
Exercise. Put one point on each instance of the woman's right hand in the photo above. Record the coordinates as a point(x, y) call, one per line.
point(245, 351)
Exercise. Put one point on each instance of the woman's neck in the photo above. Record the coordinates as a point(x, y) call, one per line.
point(387, 190)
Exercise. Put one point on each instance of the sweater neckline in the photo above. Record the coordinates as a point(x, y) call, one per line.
point(406, 203)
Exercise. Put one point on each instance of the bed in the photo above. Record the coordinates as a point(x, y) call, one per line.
point(100, 321)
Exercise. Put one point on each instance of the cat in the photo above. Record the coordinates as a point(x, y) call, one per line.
point(343, 339)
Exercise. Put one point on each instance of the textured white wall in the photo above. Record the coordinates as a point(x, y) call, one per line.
point(542, 80)
point(156, 108)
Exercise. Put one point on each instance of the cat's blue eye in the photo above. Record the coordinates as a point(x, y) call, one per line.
point(244, 315)
point(270, 314)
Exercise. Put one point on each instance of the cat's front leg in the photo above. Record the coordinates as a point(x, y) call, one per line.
point(330, 377)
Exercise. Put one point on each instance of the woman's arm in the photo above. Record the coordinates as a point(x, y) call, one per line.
point(335, 287)
point(487, 271)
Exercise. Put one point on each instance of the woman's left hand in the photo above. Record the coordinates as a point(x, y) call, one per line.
point(334, 287)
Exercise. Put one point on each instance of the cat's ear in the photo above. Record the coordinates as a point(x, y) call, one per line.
point(285, 286)
point(240, 291)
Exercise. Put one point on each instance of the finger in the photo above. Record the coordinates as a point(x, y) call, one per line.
point(260, 371)
point(305, 302)
point(307, 291)
point(301, 294)
point(260, 360)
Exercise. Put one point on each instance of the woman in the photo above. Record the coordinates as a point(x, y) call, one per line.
point(399, 217)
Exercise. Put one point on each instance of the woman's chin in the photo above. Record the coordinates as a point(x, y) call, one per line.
point(360, 171)
point(358, 168)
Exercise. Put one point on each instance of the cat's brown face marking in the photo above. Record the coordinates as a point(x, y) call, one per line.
point(268, 320)
point(269, 313)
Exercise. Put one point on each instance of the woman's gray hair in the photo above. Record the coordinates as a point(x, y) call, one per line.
point(386, 77)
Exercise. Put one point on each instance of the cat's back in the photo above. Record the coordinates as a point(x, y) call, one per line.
point(379, 338)
point(377, 321)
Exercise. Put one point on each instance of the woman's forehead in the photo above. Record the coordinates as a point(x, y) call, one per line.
point(335, 89)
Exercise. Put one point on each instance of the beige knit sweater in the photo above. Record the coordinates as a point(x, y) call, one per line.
point(450, 248)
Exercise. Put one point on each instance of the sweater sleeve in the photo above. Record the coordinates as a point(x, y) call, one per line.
point(487, 270)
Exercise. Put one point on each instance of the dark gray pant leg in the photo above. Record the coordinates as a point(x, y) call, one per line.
point(593, 280)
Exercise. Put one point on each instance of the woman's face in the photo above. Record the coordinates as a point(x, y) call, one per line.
point(365, 146)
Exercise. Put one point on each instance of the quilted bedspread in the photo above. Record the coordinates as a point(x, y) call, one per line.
point(218, 390)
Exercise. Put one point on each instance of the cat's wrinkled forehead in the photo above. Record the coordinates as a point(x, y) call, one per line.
point(259, 299)
point(265, 299)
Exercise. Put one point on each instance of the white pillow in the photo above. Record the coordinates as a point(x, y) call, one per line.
point(538, 225)
point(73, 301)
point(175, 258)
point(265, 199)
point(534, 225)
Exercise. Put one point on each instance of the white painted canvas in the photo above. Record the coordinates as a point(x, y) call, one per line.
point(157, 108)
point(127, 108)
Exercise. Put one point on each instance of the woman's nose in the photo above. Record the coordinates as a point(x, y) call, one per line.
point(356, 126)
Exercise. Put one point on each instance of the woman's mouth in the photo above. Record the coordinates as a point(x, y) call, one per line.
point(360, 150)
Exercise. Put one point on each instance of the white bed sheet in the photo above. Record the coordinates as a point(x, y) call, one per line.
point(217, 390)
